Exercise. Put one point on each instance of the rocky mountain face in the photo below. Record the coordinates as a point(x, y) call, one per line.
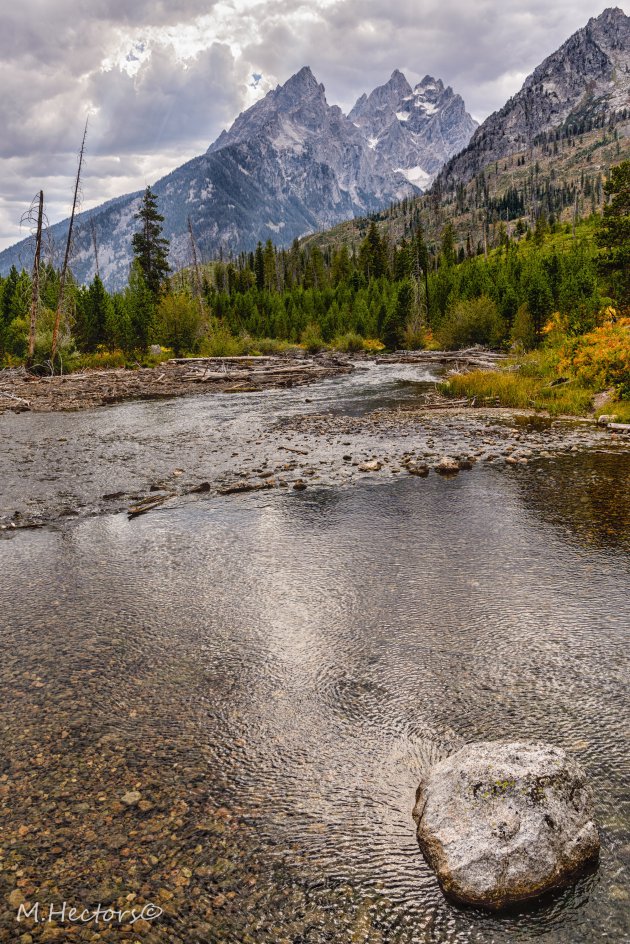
point(289, 165)
point(589, 76)
point(414, 130)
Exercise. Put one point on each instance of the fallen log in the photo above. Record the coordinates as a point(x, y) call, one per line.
point(300, 452)
point(12, 396)
point(147, 504)
point(237, 488)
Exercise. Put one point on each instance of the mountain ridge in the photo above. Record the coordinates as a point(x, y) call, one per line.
point(288, 165)
point(292, 164)
point(587, 75)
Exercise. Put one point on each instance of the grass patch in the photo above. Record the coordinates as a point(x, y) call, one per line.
point(620, 408)
point(515, 389)
point(528, 387)
point(528, 382)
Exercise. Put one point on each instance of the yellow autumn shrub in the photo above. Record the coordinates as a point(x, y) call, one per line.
point(601, 358)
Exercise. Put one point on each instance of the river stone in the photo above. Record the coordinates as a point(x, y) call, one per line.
point(607, 418)
point(501, 822)
point(447, 466)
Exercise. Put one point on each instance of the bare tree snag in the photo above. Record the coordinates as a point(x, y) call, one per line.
point(66, 259)
point(35, 295)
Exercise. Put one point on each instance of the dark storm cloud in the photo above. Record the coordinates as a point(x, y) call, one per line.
point(194, 60)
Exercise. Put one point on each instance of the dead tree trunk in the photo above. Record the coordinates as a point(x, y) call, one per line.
point(66, 258)
point(94, 243)
point(35, 295)
point(196, 275)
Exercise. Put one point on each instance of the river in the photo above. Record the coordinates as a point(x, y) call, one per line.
point(272, 672)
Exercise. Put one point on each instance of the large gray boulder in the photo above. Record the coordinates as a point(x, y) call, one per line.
point(501, 822)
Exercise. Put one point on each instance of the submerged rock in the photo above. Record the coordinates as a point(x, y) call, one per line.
point(501, 822)
point(447, 466)
point(131, 798)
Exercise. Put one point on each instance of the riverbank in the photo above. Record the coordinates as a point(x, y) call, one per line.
point(23, 392)
point(589, 376)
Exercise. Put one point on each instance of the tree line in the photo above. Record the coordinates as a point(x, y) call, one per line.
point(405, 294)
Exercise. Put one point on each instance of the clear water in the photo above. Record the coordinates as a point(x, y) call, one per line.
point(273, 673)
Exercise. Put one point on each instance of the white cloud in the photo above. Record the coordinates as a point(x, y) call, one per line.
point(161, 78)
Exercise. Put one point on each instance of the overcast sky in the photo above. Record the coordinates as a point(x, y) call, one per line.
point(161, 78)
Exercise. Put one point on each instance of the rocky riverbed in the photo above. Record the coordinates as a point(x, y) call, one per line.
point(141, 456)
point(222, 708)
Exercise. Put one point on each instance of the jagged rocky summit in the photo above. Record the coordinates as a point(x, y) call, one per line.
point(289, 165)
point(414, 130)
point(586, 78)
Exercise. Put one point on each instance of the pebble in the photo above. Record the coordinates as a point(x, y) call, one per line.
point(131, 798)
point(447, 466)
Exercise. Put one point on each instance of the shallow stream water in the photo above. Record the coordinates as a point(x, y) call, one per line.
point(272, 674)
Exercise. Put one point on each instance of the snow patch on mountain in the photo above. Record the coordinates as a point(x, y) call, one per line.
point(417, 176)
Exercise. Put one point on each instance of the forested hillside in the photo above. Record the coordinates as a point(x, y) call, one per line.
point(387, 291)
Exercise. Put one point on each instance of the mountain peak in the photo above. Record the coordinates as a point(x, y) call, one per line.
point(611, 15)
point(414, 130)
point(397, 81)
point(428, 81)
point(611, 21)
point(586, 79)
point(300, 93)
point(303, 81)
point(382, 99)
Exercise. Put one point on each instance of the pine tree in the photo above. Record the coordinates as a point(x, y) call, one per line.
point(614, 234)
point(398, 318)
point(140, 309)
point(373, 254)
point(259, 267)
point(149, 246)
point(448, 245)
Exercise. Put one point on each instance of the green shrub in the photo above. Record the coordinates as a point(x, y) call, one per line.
point(415, 337)
point(472, 321)
point(100, 359)
point(523, 333)
point(179, 323)
point(269, 346)
point(220, 343)
point(351, 342)
point(312, 339)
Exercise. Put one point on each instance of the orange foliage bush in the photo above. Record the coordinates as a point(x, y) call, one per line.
point(601, 358)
